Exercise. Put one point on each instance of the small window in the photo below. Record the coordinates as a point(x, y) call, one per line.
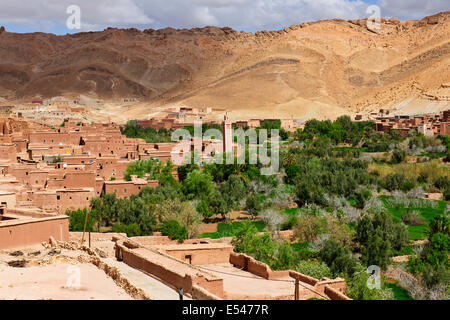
point(58, 197)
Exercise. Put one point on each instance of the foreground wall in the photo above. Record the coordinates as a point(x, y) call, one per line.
point(334, 289)
point(22, 232)
point(172, 272)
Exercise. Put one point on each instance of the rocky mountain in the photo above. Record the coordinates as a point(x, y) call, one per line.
point(319, 69)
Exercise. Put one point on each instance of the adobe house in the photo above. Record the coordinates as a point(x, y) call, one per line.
point(7, 199)
point(73, 199)
point(198, 252)
point(8, 152)
point(21, 228)
point(124, 189)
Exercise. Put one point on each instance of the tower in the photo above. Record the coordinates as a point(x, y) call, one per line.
point(227, 135)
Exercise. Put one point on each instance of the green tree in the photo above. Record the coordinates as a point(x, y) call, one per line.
point(254, 203)
point(182, 212)
point(197, 185)
point(174, 231)
point(338, 258)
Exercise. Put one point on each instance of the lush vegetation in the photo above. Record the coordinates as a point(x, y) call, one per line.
point(133, 130)
point(351, 196)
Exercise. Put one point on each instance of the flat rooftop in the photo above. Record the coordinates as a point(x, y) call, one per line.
point(243, 285)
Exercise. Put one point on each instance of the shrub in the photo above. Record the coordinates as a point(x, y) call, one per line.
point(290, 223)
point(442, 183)
point(174, 231)
point(446, 194)
point(313, 269)
point(439, 224)
point(394, 181)
point(132, 230)
point(361, 198)
point(308, 228)
point(77, 220)
point(413, 218)
point(357, 289)
point(338, 258)
point(398, 156)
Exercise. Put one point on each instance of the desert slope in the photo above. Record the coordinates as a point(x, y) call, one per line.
point(320, 69)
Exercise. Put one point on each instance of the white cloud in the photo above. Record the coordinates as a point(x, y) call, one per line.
point(412, 9)
point(240, 14)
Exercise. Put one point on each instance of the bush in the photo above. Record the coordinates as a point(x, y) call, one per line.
point(361, 198)
point(394, 181)
point(442, 183)
point(77, 219)
point(398, 156)
point(290, 223)
point(446, 194)
point(132, 230)
point(338, 258)
point(439, 224)
point(308, 228)
point(413, 218)
point(357, 289)
point(174, 231)
point(313, 269)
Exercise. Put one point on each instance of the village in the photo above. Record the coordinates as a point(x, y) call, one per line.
point(46, 171)
point(61, 162)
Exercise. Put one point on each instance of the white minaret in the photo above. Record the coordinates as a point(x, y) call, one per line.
point(227, 135)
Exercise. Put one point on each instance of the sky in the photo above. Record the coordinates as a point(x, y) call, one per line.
point(71, 16)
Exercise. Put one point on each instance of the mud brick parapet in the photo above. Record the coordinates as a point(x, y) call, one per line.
point(334, 289)
point(198, 293)
point(169, 270)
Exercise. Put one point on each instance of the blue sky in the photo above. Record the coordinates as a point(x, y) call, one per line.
point(247, 15)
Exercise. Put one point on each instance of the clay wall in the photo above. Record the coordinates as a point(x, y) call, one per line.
point(77, 180)
point(171, 276)
point(73, 200)
point(8, 151)
point(22, 233)
point(201, 256)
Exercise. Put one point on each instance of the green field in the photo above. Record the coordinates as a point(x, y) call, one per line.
point(231, 229)
point(417, 232)
point(349, 149)
point(399, 293)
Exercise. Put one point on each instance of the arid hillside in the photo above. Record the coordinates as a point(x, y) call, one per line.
point(321, 69)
